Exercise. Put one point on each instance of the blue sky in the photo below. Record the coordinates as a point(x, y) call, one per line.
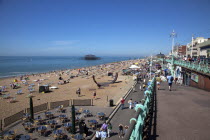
point(100, 27)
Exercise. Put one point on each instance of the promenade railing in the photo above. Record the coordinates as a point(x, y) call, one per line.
point(197, 66)
point(143, 114)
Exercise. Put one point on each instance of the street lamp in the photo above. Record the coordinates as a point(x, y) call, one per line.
point(173, 34)
point(191, 47)
point(151, 68)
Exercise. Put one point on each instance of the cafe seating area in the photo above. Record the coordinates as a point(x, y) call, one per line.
point(57, 124)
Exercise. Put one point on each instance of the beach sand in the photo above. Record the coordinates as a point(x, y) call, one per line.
point(68, 91)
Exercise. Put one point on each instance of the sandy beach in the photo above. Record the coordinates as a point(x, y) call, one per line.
point(67, 91)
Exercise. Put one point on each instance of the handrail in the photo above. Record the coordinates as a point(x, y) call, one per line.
point(201, 67)
point(135, 132)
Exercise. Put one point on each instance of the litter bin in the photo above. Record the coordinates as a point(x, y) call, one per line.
point(111, 102)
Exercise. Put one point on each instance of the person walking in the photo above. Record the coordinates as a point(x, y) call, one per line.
point(170, 79)
point(94, 95)
point(103, 134)
point(120, 131)
point(158, 79)
point(122, 103)
point(130, 102)
point(78, 92)
point(109, 129)
point(98, 134)
point(126, 129)
point(133, 88)
point(104, 126)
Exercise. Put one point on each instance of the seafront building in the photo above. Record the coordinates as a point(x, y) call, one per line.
point(198, 47)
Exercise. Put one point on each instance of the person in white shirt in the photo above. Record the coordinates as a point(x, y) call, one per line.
point(98, 134)
point(103, 134)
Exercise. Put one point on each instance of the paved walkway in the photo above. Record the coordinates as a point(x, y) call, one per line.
point(183, 113)
point(123, 116)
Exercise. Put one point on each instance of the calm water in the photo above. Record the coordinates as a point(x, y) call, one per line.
point(20, 65)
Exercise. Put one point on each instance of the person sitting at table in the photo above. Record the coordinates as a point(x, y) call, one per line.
point(83, 128)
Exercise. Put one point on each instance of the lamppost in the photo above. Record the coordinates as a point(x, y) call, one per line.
point(173, 34)
point(31, 109)
point(151, 68)
point(191, 48)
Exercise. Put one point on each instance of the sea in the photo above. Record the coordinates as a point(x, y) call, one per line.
point(11, 66)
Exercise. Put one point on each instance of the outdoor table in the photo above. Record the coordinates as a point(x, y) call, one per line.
point(26, 116)
point(101, 115)
point(76, 110)
point(9, 135)
point(58, 133)
point(25, 137)
point(62, 116)
point(48, 114)
point(38, 119)
point(60, 108)
point(67, 124)
point(86, 111)
point(93, 123)
point(27, 124)
point(42, 128)
point(78, 137)
point(52, 123)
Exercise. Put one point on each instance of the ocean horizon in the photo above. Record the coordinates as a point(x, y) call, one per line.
point(11, 66)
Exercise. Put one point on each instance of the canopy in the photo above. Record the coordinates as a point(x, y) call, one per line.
point(134, 67)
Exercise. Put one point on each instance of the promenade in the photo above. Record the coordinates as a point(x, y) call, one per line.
point(180, 114)
point(183, 113)
point(123, 116)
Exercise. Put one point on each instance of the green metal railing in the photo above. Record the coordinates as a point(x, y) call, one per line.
point(200, 67)
point(138, 122)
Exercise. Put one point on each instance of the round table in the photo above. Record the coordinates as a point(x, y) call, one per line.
point(92, 121)
point(9, 135)
point(62, 116)
point(101, 114)
point(25, 137)
point(67, 125)
point(49, 114)
point(57, 132)
point(51, 122)
point(28, 124)
point(41, 128)
point(86, 111)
